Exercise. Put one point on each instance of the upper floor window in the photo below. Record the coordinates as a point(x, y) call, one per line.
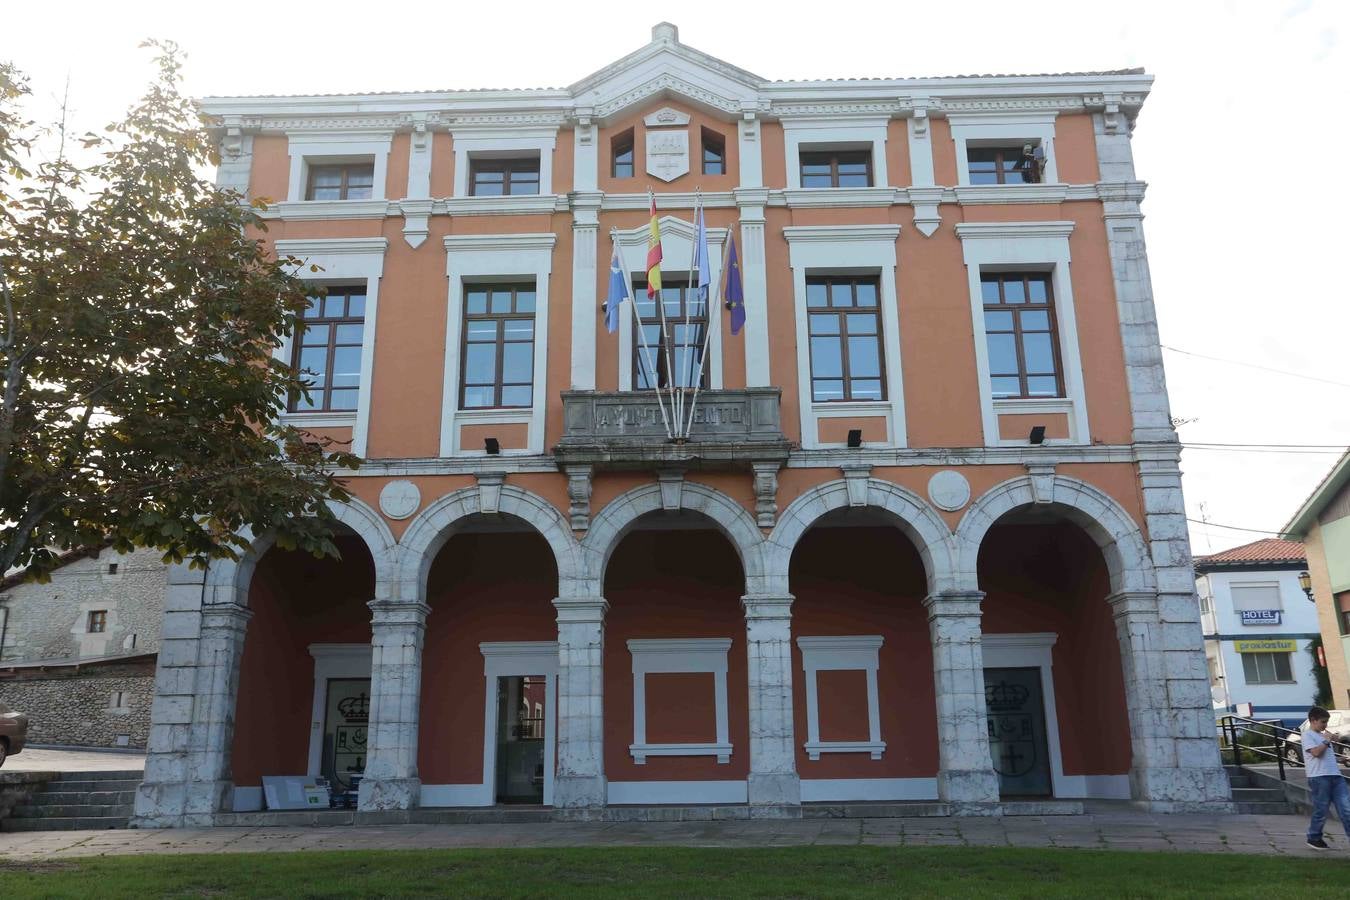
point(499, 177)
point(714, 153)
point(845, 329)
point(1266, 668)
point(498, 350)
point(346, 181)
point(684, 342)
point(98, 621)
point(836, 168)
point(1255, 596)
point(1019, 327)
point(622, 149)
point(1015, 164)
point(328, 350)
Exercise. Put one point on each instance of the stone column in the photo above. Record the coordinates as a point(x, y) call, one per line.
point(966, 777)
point(187, 766)
point(1175, 764)
point(579, 781)
point(774, 787)
point(397, 631)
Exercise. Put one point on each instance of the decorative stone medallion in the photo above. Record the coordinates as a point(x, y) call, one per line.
point(949, 490)
point(667, 133)
point(400, 499)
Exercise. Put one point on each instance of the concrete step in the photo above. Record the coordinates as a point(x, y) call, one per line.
point(1264, 808)
point(72, 811)
point(1240, 781)
point(136, 775)
point(1257, 794)
point(873, 809)
point(88, 787)
point(97, 823)
point(65, 798)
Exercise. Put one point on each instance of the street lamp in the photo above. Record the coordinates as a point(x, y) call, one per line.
point(1305, 582)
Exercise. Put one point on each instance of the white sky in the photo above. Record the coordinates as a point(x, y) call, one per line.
point(1243, 143)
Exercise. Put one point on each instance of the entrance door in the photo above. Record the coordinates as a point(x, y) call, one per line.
point(1017, 734)
point(344, 735)
point(521, 714)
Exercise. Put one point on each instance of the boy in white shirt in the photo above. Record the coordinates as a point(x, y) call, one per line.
point(1324, 780)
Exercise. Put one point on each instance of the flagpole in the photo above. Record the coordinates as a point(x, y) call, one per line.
point(707, 337)
point(691, 283)
point(660, 305)
point(642, 335)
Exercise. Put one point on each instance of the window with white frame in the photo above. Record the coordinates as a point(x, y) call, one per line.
point(841, 154)
point(1256, 596)
point(841, 654)
point(680, 656)
point(338, 166)
point(495, 162)
point(1012, 149)
point(1267, 668)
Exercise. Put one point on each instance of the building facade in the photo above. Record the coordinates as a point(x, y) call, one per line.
point(77, 654)
point(1322, 524)
point(926, 528)
point(1260, 627)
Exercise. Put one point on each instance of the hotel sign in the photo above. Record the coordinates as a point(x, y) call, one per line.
point(1266, 645)
point(1261, 616)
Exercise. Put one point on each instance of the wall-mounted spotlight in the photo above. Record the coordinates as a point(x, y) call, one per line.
point(855, 438)
point(1037, 435)
point(492, 445)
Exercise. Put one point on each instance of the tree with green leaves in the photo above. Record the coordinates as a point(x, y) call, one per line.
point(139, 316)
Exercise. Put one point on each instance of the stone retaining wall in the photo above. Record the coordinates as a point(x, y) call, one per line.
point(82, 708)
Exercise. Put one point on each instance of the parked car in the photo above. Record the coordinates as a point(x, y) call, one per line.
point(1339, 723)
point(13, 732)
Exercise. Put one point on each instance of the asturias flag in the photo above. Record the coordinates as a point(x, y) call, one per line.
point(654, 256)
point(735, 289)
point(618, 291)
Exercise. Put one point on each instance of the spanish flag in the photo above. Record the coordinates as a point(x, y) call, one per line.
point(654, 256)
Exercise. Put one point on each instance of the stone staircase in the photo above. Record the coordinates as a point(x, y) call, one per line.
point(75, 801)
point(1253, 800)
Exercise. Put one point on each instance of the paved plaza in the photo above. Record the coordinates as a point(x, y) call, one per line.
point(35, 759)
point(1110, 830)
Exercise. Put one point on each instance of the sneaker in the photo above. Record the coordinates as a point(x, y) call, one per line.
point(1318, 844)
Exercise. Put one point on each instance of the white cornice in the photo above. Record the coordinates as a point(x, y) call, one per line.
point(854, 108)
point(668, 82)
point(1004, 230)
point(998, 194)
point(477, 243)
point(849, 233)
point(534, 204)
point(315, 246)
point(331, 209)
point(840, 197)
point(672, 200)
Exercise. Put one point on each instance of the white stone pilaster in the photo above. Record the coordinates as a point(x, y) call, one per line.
point(966, 777)
point(397, 632)
point(236, 157)
point(580, 777)
point(774, 786)
point(585, 302)
point(750, 204)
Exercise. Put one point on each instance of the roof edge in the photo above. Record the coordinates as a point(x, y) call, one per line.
point(1301, 523)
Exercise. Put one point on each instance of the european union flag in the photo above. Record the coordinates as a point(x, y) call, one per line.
point(735, 289)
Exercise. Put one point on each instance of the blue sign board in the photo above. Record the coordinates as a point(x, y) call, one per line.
point(1261, 616)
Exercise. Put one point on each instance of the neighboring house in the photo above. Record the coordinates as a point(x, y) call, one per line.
point(1322, 524)
point(1259, 625)
point(78, 654)
point(925, 541)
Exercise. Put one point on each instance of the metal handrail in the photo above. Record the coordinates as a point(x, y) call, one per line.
point(1231, 725)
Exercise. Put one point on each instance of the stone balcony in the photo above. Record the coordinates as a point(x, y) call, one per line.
point(625, 430)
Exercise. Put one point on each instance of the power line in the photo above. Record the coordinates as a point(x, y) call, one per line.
point(1231, 527)
point(1290, 451)
point(1236, 362)
point(1337, 447)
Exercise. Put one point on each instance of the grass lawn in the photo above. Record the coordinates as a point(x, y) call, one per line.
point(685, 872)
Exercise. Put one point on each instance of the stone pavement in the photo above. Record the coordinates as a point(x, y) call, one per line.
point(33, 759)
point(1116, 829)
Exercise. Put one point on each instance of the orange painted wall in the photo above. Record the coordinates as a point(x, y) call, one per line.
point(835, 431)
point(1019, 426)
point(684, 584)
point(482, 587)
point(640, 181)
point(296, 601)
point(862, 581)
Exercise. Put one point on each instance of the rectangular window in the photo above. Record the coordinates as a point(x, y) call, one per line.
point(1020, 333)
point(503, 177)
point(836, 168)
point(1018, 164)
point(348, 181)
point(498, 346)
point(684, 342)
point(845, 330)
point(1266, 668)
point(622, 150)
point(328, 350)
point(98, 621)
point(714, 153)
point(1256, 596)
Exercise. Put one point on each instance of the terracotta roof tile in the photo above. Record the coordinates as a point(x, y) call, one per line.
point(1267, 550)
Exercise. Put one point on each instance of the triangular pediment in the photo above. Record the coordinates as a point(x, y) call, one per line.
point(665, 68)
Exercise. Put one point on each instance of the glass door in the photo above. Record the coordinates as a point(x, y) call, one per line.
point(344, 735)
point(520, 738)
point(1017, 736)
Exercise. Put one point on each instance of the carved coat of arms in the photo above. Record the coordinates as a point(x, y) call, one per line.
point(667, 133)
